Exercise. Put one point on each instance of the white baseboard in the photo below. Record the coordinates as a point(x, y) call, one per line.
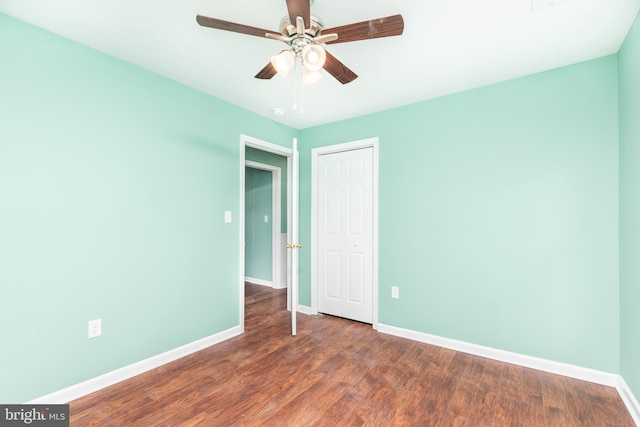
point(86, 387)
point(260, 282)
point(304, 309)
point(629, 400)
point(572, 371)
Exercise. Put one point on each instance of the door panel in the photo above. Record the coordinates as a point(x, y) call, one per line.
point(357, 287)
point(333, 275)
point(345, 234)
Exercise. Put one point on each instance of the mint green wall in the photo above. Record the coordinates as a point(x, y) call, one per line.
point(498, 214)
point(278, 161)
point(257, 233)
point(629, 76)
point(113, 187)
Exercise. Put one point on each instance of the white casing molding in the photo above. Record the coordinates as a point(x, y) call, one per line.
point(94, 384)
point(568, 370)
point(629, 400)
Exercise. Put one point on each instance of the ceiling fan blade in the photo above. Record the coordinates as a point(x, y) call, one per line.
point(299, 8)
point(267, 72)
point(337, 69)
point(219, 24)
point(375, 28)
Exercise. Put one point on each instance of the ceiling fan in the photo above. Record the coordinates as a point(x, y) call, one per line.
point(303, 33)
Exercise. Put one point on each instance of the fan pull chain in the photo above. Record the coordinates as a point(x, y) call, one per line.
point(301, 94)
point(295, 90)
point(297, 87)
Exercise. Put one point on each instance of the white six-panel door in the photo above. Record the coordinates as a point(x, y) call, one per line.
point(345, 234)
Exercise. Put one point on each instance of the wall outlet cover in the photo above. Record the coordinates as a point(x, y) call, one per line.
point(95, 328)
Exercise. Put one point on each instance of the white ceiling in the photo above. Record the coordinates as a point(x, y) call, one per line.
point(448, 46)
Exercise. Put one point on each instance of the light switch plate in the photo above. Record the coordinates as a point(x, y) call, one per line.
point(227, 217)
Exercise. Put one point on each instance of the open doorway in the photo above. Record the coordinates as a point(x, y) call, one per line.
point(264, 207)
point(264, 230)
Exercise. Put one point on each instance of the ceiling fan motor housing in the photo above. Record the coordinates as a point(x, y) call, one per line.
point(299, 41)
point(288, 29)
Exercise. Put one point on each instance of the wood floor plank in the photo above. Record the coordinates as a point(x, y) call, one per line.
point(606, 404)
point(530, 405)
point(556, 411)
point(506, 410)
point(437, 384)
point(574, 393)
point(464, 396)
point(483, 408)
point(337, 372)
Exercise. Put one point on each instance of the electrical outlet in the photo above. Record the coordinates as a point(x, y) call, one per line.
point(395, 292)
point(95, 328)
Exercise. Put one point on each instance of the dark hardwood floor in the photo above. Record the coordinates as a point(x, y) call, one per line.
point(337, 372)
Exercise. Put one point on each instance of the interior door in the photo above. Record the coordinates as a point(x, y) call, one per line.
point(345, 234)
point(293, 246)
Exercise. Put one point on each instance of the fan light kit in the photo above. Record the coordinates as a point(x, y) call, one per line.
point(283, 62)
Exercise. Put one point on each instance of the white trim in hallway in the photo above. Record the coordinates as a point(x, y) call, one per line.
point(260, 282)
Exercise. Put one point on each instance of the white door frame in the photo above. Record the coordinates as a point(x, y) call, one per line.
point(315, 154)
point(276, 180)
point(248, 141)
